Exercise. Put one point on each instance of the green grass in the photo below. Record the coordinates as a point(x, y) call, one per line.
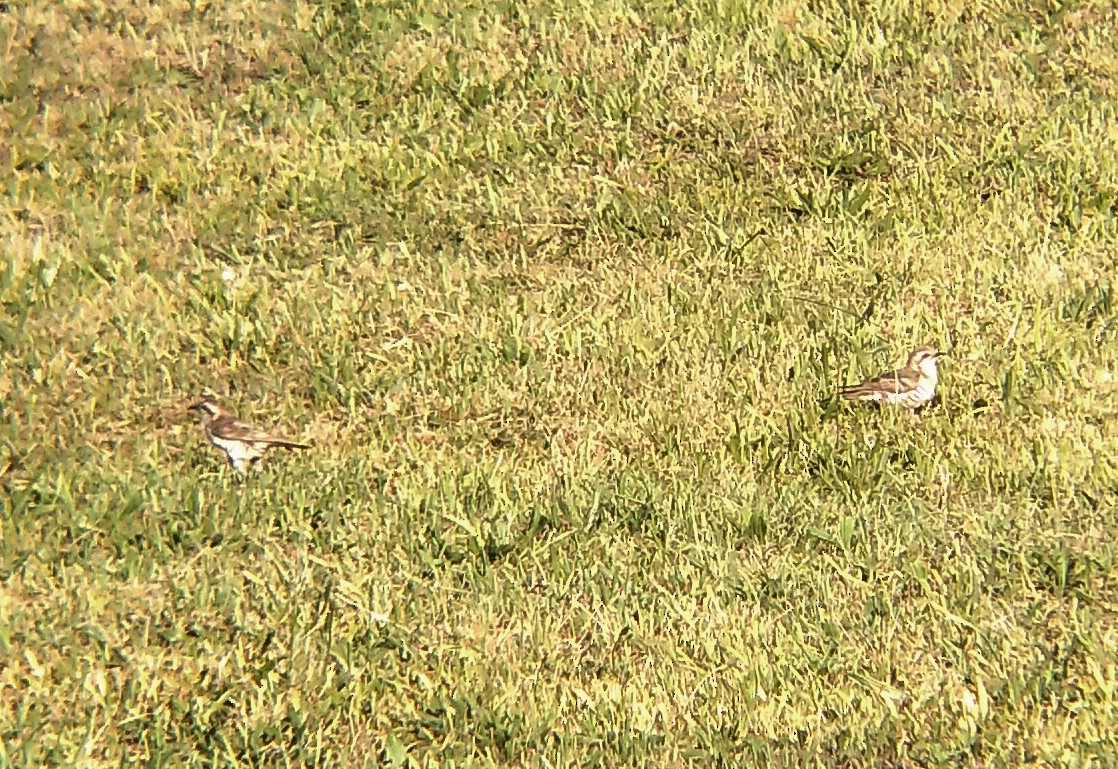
point(562, 294)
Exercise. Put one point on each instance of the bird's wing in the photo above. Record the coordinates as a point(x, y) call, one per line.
point(232, 429)
point(898, 381)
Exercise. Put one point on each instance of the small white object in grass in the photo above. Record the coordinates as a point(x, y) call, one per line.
point(228, 275)
point(47, 274)
point(380, 618)
point(403, 285)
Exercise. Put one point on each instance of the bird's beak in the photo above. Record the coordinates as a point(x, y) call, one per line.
point(941, 353)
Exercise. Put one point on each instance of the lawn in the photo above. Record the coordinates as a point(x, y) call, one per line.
point(561, 293)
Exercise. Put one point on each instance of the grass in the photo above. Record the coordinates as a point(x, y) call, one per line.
point(562, 294)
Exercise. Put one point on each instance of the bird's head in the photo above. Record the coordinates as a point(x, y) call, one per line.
point(206, 410)
point(923, 359)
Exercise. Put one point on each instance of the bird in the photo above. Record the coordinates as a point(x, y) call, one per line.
point(910, 387)
point(242, 444)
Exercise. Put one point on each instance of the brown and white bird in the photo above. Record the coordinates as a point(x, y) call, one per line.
point(910, 387)
point(242, 444)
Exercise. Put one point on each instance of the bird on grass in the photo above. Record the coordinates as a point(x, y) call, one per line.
point(909, 388)
point(242, 444)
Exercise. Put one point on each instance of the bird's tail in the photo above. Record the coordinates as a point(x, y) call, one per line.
point(855, 392)
point(286, 444)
